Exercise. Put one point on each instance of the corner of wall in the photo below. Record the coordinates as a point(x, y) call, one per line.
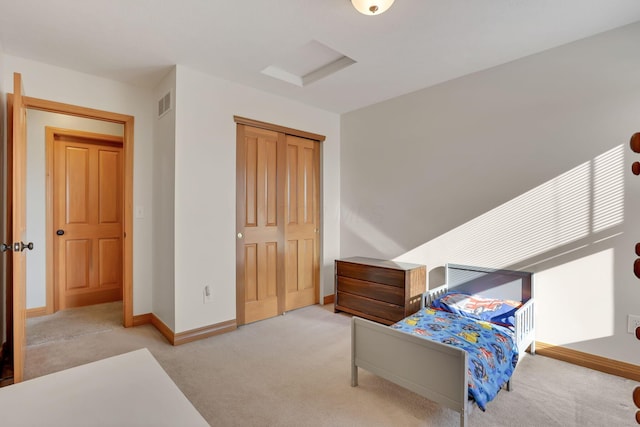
point(164, 136)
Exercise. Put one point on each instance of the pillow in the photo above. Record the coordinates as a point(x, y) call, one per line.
point(477, 307)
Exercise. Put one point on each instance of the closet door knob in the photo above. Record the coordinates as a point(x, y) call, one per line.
point(239, 235)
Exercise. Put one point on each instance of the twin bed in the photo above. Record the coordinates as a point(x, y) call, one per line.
point(462, 346)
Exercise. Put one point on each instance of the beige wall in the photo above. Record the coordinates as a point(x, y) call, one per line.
point(525, 165)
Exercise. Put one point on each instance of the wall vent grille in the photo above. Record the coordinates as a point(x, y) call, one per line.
point(164, 104)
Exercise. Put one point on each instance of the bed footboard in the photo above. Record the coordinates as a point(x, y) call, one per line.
point(525, 328)
point(431, 369)
point(432, 294)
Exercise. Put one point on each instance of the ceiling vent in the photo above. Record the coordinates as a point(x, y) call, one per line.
point(164, 104)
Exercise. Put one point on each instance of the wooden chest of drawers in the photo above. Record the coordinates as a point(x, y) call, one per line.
point(378, 290)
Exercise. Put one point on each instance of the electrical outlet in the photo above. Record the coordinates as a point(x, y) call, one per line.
point(207, 295)
point(633, 322)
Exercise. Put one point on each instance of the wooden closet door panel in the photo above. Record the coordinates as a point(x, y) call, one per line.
point(260, 297)
point(109, 262)
point(301, 223)
point(77, 254)
point(258, 207)
point(76, 185)
point(109, 186)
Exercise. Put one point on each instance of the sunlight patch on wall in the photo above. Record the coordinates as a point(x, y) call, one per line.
point(608, 191)
point(564, 292)
point(584, 200)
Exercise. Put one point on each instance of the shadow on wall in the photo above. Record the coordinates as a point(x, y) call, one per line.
point(365, 233)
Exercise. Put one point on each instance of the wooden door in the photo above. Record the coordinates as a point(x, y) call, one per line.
point(6, 250)
point(259, 245)
point(17, 157)
point(301, 223)
point(87, 217)
point(277, 218)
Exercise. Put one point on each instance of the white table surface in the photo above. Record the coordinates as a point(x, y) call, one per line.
point(131, 389)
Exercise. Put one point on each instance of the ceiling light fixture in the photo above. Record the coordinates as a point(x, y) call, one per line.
point(372, 7)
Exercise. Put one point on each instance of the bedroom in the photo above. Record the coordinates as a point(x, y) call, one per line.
point(508, 130)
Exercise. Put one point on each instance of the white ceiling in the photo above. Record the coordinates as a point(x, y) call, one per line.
point(416, 44)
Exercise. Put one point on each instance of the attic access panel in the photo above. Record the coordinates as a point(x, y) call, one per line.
point(307, 64)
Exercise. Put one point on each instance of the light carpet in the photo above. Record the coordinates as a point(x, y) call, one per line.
point(294, 370)
point(69, 324)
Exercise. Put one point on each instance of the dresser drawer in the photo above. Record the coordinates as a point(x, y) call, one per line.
point(370, 273)
point(385, 293)
point(370, 306)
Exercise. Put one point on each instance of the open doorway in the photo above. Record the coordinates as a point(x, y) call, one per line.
point(74, 207)
point(74, 190)
point(19, 104)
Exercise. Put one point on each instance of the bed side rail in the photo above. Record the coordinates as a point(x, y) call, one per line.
point(431, 369)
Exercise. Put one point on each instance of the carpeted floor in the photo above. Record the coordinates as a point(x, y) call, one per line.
point(293, 370)
point(69, 324)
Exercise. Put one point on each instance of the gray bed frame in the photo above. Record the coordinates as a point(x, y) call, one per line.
point(434, 370)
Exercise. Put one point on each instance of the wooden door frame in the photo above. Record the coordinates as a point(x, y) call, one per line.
point(8, 274)
point(127, 148)
point(240, 291)
point(52, 287)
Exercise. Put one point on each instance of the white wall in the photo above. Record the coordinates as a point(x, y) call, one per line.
point(205, 190)
point(524, 165)
point(71, 87)
point(164, 138)
point(36, 190)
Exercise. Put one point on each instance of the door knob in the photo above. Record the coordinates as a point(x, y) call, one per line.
point(20, 246)
point(60, 232)
point(239, 235)
point(4, 247)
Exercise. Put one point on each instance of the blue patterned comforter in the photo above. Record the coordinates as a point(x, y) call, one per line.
point(492, 352)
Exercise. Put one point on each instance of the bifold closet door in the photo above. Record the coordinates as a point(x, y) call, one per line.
point(277, 217)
